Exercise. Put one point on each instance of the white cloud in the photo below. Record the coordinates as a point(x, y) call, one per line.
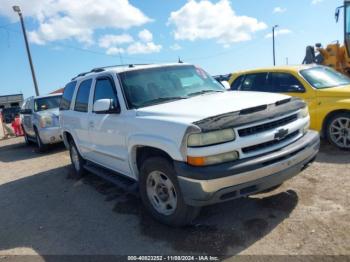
point(207, 20)
point(78, 19)
point(125, 43)
point(279, 32)
point(107, 41)
point(114, 51)
point(175, 47)
point(279, 10)
point(143, 48)
point(145, 35)
point(315, 2)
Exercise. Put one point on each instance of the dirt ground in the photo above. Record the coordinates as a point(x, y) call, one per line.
point(44, 210)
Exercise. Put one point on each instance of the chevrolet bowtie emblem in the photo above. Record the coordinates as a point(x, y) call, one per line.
point(281, 134)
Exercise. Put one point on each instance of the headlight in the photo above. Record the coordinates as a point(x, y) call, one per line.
point(45, 121)
point(304, 112)
point(212, 160)
point(211, 138)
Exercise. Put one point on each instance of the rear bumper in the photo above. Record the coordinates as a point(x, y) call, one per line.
point(209, 185)
point(50, 135)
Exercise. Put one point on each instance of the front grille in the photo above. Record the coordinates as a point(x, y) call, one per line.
point(265, 145)
point(267, 126)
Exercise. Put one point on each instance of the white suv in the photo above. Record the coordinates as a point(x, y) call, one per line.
point(187, 142)
point(39, 117)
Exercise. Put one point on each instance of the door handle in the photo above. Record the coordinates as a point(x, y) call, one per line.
point(91, 124)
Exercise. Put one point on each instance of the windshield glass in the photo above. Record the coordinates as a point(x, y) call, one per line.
point(46, 103)
point(324, 77)
point(152, 86)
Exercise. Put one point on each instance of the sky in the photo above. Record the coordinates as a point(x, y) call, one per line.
point(68, 37)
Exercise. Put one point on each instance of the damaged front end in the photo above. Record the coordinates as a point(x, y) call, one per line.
point(251, 115)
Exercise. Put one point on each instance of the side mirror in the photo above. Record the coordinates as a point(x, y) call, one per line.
point(105, 106)
point(226, 85)
point(26, 112)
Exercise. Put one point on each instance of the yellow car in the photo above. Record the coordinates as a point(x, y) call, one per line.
point(326, 91)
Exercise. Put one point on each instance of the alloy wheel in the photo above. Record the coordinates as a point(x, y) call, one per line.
point(339, 132)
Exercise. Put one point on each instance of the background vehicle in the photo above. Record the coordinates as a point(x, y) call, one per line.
point(334, 55)
point(39, 116)
point(182, 137)
point(10, 113)
point(326, 92)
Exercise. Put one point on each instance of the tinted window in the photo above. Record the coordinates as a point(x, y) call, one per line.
point(324, 77)
point(236, 85)
point(257, 82)
point(82, 100)
point(46, 103)
point(105, 89)
point(67, 96)
point(284, 83)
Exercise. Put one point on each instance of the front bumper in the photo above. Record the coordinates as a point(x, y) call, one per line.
point(50, 135)
point(202, 186)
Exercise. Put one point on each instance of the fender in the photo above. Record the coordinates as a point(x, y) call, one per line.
point(160, 142)
point(72, 133)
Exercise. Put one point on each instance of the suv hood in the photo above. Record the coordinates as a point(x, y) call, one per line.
point(208, 105)
point(340, 91)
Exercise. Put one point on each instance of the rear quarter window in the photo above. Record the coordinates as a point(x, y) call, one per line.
point(67, 96)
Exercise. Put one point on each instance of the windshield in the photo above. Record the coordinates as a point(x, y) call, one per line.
point(152, 86)
point(45, 103)
point(324, 77)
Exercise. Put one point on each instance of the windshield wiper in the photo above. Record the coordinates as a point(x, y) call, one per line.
point(163, 99)
point(204, 92)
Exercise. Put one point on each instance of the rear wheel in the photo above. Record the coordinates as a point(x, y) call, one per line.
point(77, 161)
point(161, 194)
point(338, 130)
point(41, 146)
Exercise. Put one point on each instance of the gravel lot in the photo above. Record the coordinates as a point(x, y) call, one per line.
point(45, 210)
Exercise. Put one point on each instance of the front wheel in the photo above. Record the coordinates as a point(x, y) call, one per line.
point(161, 194)
point(26, 138)
point(41, 146)
point(338, 130)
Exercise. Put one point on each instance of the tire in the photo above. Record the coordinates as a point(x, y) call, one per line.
point(338, 130)
point(161, 194)
point(26, 138)
point(41, 146)
point(76, 159)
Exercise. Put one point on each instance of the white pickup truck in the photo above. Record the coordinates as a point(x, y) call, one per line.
point(181, 137)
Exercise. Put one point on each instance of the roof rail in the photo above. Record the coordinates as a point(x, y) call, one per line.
point(101, 69)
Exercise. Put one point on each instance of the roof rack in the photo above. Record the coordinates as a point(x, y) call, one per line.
point(101, 69)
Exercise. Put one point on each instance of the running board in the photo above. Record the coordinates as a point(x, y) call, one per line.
point(124, 183)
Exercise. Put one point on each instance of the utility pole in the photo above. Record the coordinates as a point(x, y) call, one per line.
point(17, 9)
point(273, 44)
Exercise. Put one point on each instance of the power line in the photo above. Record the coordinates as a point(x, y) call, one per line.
point(133, 58)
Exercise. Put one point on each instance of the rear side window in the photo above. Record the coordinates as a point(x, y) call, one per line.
point(82, 99)
point(256, 82)
point(67, 96)
point(236, 85)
